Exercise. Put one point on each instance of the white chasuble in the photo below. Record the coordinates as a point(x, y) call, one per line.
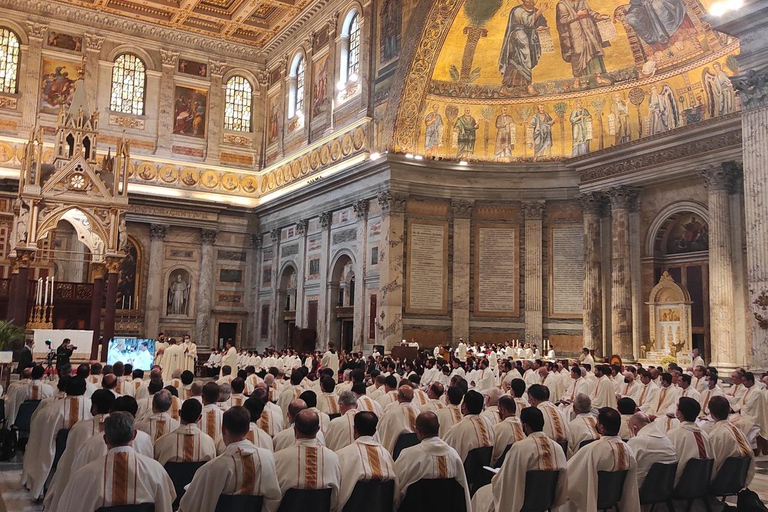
point(690, 443)
point(472, 432)
point(398, 420)
point(308, 465)
point(185, 444)
point(728, 441)
point(364, 460)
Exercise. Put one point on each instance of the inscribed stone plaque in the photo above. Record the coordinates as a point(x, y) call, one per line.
point(426, 267)
point(567, 270)
point(497, 270)
point(289, 250)
point(230, 275)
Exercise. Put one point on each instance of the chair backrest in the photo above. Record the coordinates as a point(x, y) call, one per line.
point(500, 460)
point(564, 446)
point(334, 416)
point(239, 503)
point(473, 467)
point(658, 484)
point(142, 507)
point(444, 494)
point(181, 474)
point(371, 496)
point(61, 445)
point(586, 442)
point(731, 478)
point(540, 488)
point(301, 500)
point(694, 482)
point(404, 440)
point(2, 410)
point(24, 417)
point(610, 485)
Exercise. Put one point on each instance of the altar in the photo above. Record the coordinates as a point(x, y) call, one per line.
point(669, 323)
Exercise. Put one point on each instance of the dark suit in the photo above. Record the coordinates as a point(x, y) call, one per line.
point(25, 359)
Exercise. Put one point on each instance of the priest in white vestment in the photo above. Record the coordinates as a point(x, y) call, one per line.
point(450, 415)
point(287, 437)
point(331, 360)
point(400, 419)
point(341, 430)
point(577, 385)
point(210, 419)
point(173, 359)
point(689, 440)
point(243, 469)
point(474, 430)
point(555, 425)
point(101, 403)
point(649, 445)
point(160, 421)
point(290, 393)
point(41, 446)
point(187, 443)
point(609, 453)
point(710, 391)
point(666, 398)
point(584, 426)
point(35, 389)
point(271, 420)
point(328, 400)
point(432, 458)
point(229, 358)
point(307, 464)
point(727, 440)
point(122, 477)
point(492, 405)
point(753, 404)
point(537, 452)
point(190, 353)
point(365, 459)
point(648, 391)
point(507, 431)
point(604, 393)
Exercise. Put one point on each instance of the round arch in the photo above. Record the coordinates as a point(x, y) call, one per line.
point(149, 62)
point(16, 29)
point(248, 75)
point(339, 255)
point(50, 223)
point(657, 231)
point(191, 290)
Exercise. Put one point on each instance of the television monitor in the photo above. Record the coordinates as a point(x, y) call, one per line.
point(139, 352)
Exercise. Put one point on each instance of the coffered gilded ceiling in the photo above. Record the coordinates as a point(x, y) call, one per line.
point(252, 22)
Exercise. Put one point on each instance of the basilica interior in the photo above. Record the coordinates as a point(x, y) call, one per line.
point(297, 172)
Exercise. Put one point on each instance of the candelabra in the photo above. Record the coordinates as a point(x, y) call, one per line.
point(129, 321)
point(41, 317)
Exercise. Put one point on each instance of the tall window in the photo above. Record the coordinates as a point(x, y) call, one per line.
point(299, 86)
point(353, 51)
point(237, 105)
point(9, 61)
point(129, 79)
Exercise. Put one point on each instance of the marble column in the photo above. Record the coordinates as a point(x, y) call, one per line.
point(99, 270)
point(719, 182)
point(333, 73)
point(301, 273)
point(533, 212)
point(17, 308)
point(205, 288)
point(254, 283)
point(592, 205)
point(155, 282)
point(93, 45)
point(389, 324)
point(361, 252)
point(165, 101)
point(215, 113)
point(462, 221)
point(623, 200)
point(324, 302)
point(277, 304)
point(738, 263)
point(31, 79)
point(113, 270)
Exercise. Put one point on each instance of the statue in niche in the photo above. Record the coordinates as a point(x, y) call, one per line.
point(22, 229)
point(178, 294)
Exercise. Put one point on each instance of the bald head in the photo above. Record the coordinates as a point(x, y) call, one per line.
point(295, 407)
point(269, 379)
point(109, 381)
point(176, 373)
point(492, 396)
point(306, 424)
point(405, 394)
point(427, 425)
point(637, 422)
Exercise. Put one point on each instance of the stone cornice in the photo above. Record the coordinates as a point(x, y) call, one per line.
point(112, 23)
point(309, 15)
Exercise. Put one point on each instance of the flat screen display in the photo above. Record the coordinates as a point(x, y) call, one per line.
point(136, 351)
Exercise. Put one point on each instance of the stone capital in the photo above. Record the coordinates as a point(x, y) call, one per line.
point(169, 58)
point(257, 240)
point(301, 226)
point(276, 234)
point(99, 270)
point(217, 68)
point(208, 236)
point(325, 219)
point(392, 202)
point(112, 263)
point(534, 210)
point(752, 88)
point(719, 177)
point(262, 76)
point(36, 30)
point(624, 198)
point(361, 208)
point(158, 231)
point(593, 203)
point(462, 209)
point(25, 258)
point(94, 42)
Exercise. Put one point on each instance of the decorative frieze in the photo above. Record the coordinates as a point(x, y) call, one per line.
point(126, 121)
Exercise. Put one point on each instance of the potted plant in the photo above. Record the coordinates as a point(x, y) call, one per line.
point(11, 336)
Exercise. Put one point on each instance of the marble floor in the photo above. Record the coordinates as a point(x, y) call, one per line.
point(14, 498)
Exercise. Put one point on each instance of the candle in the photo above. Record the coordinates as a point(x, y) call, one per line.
point(130, 302)
point(123, 302)
point(52, 291)
point(45, 301)
point(37, 292)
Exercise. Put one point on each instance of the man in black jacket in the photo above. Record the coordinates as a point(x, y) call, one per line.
point(25, 356)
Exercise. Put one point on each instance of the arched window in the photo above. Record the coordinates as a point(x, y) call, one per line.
point(237, 104)
point(349, 68)
point(129, 80)
point(9, 61)
point(296, 89)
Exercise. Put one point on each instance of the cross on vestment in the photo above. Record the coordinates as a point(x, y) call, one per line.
point(688, 89)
